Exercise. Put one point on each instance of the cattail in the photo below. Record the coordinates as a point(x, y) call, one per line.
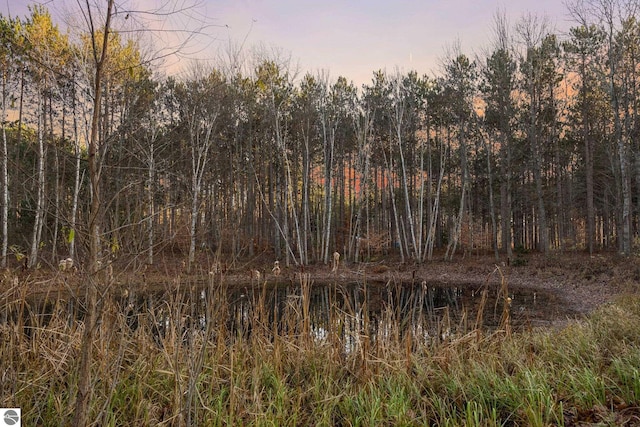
point(276, 268)
point(65, 264)
point(336, 261)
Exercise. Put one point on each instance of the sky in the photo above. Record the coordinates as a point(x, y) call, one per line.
point(351, 38)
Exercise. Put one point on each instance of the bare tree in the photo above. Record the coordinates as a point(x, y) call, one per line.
point(5, 176)
point(398, 118)
point(337, 104)
point(7, 50)
point(460, 82)
point(201, 97)
point(435, 206)
point(77, 152)
point(45, 46)
point(274, 77)
point(99, 54)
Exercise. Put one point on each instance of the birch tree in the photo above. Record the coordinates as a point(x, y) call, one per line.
point(460, 81)
point(8, 54)
point(76, 111)
point(436, 167)
point(306, 118)
point(148, 145)
point(337, 107)
point(45, 50)
point(400, 111)
point(200, 100)
point(274, 81)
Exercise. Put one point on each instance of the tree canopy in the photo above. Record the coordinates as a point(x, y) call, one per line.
point(534, 146)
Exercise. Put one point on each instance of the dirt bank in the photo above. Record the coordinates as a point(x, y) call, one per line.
point(578, 282)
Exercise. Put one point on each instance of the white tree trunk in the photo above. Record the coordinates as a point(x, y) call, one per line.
point(76, 188)
point(457, 227)
point(39, 211)
point(363, 162)
point(433, 218)
point(389, 164)
point(56, 221)
point(328, 187)
point(5, 176)
point(199, 156)
point(5, 199)
point(420, 225)
point(194, 220)
point(290, 205)
point(152, 213)
point(399, 114)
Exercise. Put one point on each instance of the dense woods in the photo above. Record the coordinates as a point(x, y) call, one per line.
point(534, 145)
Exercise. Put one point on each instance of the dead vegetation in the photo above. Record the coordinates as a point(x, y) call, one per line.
point(186, 356)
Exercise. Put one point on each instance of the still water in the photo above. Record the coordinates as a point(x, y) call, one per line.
point(375, 310)
point(319, 311)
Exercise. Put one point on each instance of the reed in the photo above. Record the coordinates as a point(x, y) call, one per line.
point(198, 353)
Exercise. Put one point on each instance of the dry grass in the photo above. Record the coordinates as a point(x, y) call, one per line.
point(188, 357)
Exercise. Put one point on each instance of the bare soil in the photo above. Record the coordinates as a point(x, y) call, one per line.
point(576, 282)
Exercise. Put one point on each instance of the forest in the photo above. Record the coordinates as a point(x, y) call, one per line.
point(533, 146)
point(181, 182)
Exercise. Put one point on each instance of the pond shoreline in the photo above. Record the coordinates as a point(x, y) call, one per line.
point(579, 282)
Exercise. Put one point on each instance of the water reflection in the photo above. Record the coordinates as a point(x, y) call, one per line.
point(350, 313)
point(353, 315)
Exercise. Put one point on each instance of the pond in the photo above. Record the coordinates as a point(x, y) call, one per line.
point(376, 310)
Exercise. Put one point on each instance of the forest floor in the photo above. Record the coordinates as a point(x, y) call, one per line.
point(574, 283)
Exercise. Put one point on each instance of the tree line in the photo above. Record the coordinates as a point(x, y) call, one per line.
point(533, 145)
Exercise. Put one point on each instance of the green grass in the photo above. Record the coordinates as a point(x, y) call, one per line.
point(587, 371)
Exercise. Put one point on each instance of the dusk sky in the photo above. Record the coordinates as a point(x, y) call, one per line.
point(349, 38)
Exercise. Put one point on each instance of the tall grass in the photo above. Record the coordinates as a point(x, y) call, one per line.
point(188, 358)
